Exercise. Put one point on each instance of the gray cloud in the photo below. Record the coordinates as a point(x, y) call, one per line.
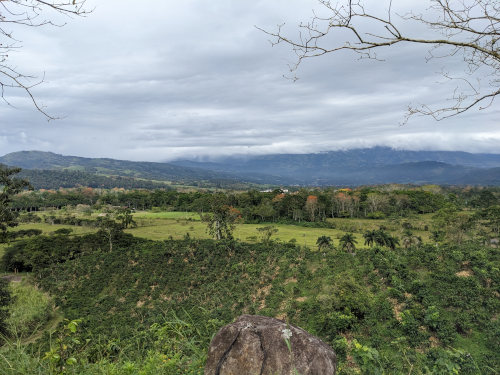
point(163, 80)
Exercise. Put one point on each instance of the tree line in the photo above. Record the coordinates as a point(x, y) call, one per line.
point(253, 206)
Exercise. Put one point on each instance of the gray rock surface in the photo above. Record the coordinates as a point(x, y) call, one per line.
point(256, 345)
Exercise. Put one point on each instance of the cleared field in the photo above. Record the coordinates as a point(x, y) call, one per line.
point(165, 228)
point(49, 228)
point(303, 236)
point(163, 225)
point(166, 215)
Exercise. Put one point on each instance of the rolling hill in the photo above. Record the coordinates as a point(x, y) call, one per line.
point(78, 169)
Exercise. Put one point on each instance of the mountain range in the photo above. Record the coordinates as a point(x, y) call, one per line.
point(378, 165)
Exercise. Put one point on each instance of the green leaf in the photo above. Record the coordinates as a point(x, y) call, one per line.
point(71, 361)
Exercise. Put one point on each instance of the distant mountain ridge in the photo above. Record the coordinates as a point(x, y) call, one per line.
point(378, 165)
point(375, 165)
point(49, 161)
point(375, 156)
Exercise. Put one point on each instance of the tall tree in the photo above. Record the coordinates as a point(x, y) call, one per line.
point(10, 186)
point(348, 242)
point(324, 242)
point(125, 217)
point(370, 236)
point(311, 206)
point(109, 229)
point(410, 240)
point(267, 232)
point(221, 220)
point(382, 238)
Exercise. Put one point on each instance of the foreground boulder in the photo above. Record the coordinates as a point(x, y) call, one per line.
point(266, 346)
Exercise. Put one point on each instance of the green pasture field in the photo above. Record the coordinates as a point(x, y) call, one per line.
point(177, 229)
point(49, 228)
point(166, 215)
point(163, 225)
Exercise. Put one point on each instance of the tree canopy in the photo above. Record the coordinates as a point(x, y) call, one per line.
point(10, 186)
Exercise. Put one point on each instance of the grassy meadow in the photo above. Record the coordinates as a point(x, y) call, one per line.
point(173, 224)
point(165, 225)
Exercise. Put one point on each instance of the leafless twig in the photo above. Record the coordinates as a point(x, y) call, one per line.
point(467, 27)
point(30, 13)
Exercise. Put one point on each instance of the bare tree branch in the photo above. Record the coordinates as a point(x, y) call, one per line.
point(30, 13)
point(467, 27)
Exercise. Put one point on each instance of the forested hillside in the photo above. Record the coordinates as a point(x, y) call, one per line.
point(67, 166)
point(53, 179)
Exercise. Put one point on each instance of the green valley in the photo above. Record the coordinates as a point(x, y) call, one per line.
point(102, 288)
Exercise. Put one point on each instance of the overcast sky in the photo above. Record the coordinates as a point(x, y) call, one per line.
point(160, 80)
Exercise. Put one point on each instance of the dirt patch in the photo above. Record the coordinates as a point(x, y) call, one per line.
point(281, 316)
point(434, 341)
point(397, 308)
point(13, 278)
point(165, 297)
point(301, 299)
point(465, 273)
point(261, 294)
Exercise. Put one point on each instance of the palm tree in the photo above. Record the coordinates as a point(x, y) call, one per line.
point(381, 237)
point(391, 242)
point(348, 242)
point(370, 236)
point(409, 239)
point(324, 241)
